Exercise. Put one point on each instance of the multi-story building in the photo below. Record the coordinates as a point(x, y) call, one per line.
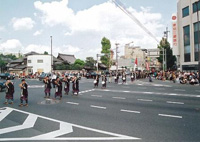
point(187, 29)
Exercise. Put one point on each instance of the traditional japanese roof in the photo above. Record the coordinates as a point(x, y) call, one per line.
point(31, 53)
point(67, 58)
point(20, 60)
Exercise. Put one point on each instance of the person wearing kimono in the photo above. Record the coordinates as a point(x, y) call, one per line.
point(96, 81)
point(9, 92)
point(75, 85)
point(132, 76)
point(58, 88)
point(123, 77)
point(67, 84)
point(24, 93)
point(104, 79)
point(47, 87)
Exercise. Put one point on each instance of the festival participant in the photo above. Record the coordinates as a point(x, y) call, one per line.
point(132, 76)
point(96, 81)
point(75, 86)
point(116, 78)
point(58, 88)
point(24, 93)
point(9, 92)
point(123, 77)
point(104, 79)
point(47, 86)
point(67, 84)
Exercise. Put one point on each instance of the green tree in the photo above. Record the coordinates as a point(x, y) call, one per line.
point(106, 45)
point(2, 65)
point(170, 58)
point(89, 62)
point(79, 62)
point(46, 53)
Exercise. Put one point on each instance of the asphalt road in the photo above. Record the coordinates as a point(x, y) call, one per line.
point(139, 111)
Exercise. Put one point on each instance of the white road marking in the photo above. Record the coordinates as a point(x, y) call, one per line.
point(144, 100)
point(100, 107)
point(179, 89)
point(35, 86)
point(121, 98)
point(140, 84)
point(170, 102)
point(123, 110)
point(126, 91)
point(86, 91)
point(4, 113)
point(148, 92)
point(64, 129)
point(173, 116)
point(72, 103)
point(197, 90)
point(99, 96)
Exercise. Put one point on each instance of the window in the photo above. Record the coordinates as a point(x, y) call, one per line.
point(39, 61)
point(196, 41)
point(194, 5)
point(29, 61)
point(185, 11)
point(186, 37)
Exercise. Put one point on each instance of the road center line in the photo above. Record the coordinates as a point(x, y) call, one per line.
point(173, 116)
point(159, 88)
point(96, 96)
point(144, 100)
point(180, 103)
point(126, 91)
point(119, 98)
point(72, 103)
point(123, 110)
point(100, 107)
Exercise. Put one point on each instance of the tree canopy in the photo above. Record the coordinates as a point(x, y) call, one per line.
point(89, 62)
point(170, 58)
point(106, 46)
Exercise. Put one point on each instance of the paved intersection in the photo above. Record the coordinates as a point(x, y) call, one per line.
point(142, 111)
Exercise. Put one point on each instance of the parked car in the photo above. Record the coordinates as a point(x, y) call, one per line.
point(91, 75)
point(6, 76)
point(2, 86)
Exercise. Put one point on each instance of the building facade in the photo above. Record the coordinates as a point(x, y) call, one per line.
point(38, 63)
point(187, 29)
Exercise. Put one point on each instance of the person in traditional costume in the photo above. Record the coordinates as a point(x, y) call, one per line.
point(116, 78)
point(58, 88)
point(66, 80)
point(104, 79)
point(123, 77)
point(47, 87)
point(9, 91)
point(24, 93)
point(132, 76)
point(75, 86)
point(96, 81)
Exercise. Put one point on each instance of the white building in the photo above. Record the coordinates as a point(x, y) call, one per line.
point(187, 29)
point(39, 63)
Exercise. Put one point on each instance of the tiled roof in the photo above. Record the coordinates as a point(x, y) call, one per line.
point(67, 58)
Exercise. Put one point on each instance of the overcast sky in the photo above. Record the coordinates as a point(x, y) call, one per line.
point(77, 26)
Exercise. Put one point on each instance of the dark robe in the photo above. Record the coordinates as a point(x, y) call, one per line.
point(97, 81)
point(75, 86)
point(9, 91)
point(67, 85)
point(47, 87)
point(104, 79)
point(124, 78)
point(58, 90)
point(24, 91)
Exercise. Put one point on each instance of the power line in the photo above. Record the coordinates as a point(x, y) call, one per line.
point(128, 13)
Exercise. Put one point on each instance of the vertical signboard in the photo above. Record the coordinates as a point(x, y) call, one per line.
point(175, 35)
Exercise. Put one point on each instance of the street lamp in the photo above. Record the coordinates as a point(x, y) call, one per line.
point(196, 3)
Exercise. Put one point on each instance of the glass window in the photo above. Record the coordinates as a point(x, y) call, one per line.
point(186, 37)
point(194, 5)
point(39, 61)
point(29, 61)
point(196, 41)
point(185, 11)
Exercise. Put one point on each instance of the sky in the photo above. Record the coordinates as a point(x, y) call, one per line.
point(77, 26)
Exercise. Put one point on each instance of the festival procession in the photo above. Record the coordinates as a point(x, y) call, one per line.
point(100, 70)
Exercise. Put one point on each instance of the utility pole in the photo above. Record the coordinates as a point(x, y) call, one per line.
point(97, 64)
point(116, 56)
point(51, 55)
point(163, 59)
point(166, 33)
point(166, 59)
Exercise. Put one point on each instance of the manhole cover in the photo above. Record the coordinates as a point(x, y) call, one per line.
point(49, 102)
